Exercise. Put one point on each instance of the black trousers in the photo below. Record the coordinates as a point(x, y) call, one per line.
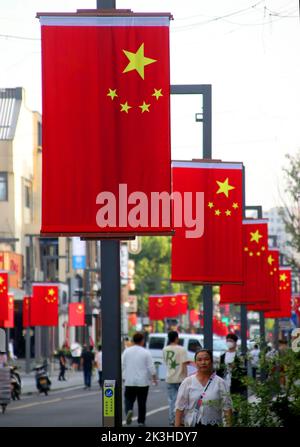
point(140, 393)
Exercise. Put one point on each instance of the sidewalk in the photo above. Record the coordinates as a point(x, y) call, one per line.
point(74, 378)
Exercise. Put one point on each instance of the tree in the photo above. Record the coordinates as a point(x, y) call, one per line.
point(291, 215)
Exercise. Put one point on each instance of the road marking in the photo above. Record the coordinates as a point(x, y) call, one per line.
point(34, 404)
point(83, 394)
point(149, 413)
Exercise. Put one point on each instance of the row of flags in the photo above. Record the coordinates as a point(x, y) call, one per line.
point(167, 306)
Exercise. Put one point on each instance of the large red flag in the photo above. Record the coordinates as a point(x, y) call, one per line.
point(26, 311)
point(216, 256)
point(285, 294)
point(9, 322)
point(272, 301)
point(182, 303)
point(174, 306)
point(3, 296)
point(76, 314)
point(106, 99)
point(255, 266)
point(44, 305)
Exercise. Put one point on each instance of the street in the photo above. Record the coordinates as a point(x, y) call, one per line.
point(76, 407)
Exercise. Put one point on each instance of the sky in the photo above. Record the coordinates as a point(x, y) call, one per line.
point(247, 50)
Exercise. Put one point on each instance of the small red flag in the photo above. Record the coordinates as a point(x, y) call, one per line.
point(215, 257)
point(26, 311)
point(3, 296)
point(158, 307)
point(194, 316)
point(9, 322)
point(106, 87)
point(285, 294)
point(44, 305)
point(182, 303)
point(76, 314)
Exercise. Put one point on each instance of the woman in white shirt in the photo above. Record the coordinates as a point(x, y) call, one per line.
point(203, 398)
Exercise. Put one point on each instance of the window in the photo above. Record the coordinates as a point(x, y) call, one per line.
point(157, 342)
point(27, 196)
point(3, 187)
point(39, 135)
point(194, 345)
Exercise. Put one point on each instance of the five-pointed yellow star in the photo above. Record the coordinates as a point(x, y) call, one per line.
point(224, 187)
point(51, 292)
point(125, 107)
point(246, 249)
point(112, 93)
point(235, 205)
point(145, 107)
point(270, 259)
point(255, 236)
point(283, 277)
point(137, 61)
point(217, 212)
point(263, 248)
point(1, 280)
point(228, 213)
point(157, 93)
point(251, 253)
point(258, 253)
point(210, 205)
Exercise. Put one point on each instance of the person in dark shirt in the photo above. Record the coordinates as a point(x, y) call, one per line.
point(87, 363)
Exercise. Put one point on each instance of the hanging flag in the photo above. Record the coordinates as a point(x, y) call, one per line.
point(255, 266)
point(44, 305)
point(3, 296)
point(285, 295)
point(182, 303)
point(158, 307)
point(194, 316)
point(76, 314)
point(216, 256)
point(9, 321)
point(272, 301)
point(173, 308)
point(106, 99)
point(26, 311)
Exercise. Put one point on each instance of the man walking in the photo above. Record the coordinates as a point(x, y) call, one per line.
point(87, 363)
point(254, 360)
point(138, 369)
point(176, 359)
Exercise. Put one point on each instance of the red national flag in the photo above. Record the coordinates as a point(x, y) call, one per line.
point(158, 307)
point(173, 309)
point(216, 256)
point(44, 305)
point(76, 314)
point(9, 321)
point(3, 296)
point(296, 304)
point(285, 294)
point(182, 303)
point(272, 301)
point(26, 311)
point(194, 316)
point(255, 266)
point(106, 99)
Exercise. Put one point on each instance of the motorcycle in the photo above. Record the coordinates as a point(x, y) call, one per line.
point(15, 383)
point(43, 381)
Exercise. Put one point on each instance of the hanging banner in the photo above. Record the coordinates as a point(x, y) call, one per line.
point(213, 255)
point(106, 99)
point(26, 311)
point(44, 305)
point(285, 295)
point(10, 321)
point(3, 295)
point(76, 314)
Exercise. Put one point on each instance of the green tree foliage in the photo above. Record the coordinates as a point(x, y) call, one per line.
point(291, 214)
point(152, 273)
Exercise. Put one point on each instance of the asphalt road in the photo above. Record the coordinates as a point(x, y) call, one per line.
point(77, 407)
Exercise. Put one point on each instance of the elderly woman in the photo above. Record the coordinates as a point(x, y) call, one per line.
point(203, 398)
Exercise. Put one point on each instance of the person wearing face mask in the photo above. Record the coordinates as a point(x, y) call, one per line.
point(232, 368)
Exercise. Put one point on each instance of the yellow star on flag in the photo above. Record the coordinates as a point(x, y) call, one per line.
point(224, 187)
point(1, 280)
point(210, 205)
point(145, 107)
point(228, 213)
point(157, 93)
point(263, 248)
point(270, 259)
point(51, 292)
point(125, 107)
point(235, 206)
point(258, 253)
point(112, 93)
point(246, 249)
point(137, 61)
point(283, 277)
point(255, 236)
point(217, 213)
point(251, 253)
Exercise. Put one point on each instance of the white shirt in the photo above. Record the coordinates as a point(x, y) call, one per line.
point(215, 401)
point(229, 359)
point(254, 357)
point(137, 366)
point(175, 357)
point(99, 360)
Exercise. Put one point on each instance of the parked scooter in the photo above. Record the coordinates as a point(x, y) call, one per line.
point(43, 381)
point(15, 382)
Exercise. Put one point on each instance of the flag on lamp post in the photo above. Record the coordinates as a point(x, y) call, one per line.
point(9, 322)
point(106, 87)
point(44, 305)
point(3, 296)
point(158, 307)
point(216, 256)
point(76, 314)
point(182, 303)
point(26, 311)
point(285, 295)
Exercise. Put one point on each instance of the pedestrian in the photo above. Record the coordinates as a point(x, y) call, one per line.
point(203, 398)
point(87, 363)
point(138, 369)
point(176, 359)
point(62, 364)
point(254, 360)
point(3, 359)
point(76, 351)
point(232, 368)
point(99, 365)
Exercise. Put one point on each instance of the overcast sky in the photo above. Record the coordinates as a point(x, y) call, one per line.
point(247, 50)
